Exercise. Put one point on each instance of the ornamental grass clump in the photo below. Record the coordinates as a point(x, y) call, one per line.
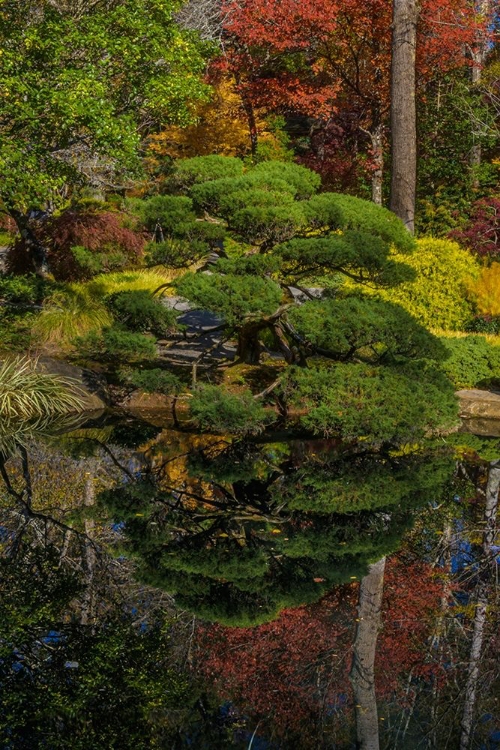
point(26, 393)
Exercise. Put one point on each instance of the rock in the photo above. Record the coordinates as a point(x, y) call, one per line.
point(92, 385)
point(476, 404)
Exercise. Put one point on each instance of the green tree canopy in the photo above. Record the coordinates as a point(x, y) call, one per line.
point(79, 81)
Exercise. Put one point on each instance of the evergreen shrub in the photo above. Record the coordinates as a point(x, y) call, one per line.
point(473, 361)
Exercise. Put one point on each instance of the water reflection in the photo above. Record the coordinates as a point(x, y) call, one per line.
point(247, 530)
point(161, 589)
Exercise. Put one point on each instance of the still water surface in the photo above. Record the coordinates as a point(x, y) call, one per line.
point(162, 589)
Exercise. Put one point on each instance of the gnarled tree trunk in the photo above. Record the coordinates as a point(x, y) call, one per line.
point(37, 255)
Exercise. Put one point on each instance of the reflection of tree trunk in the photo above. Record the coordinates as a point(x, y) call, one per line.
point(403, 111)
point(490, 514)
point(378, 164)
point(362, 674)
point(89, 556)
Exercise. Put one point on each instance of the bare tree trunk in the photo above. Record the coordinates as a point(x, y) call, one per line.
point(403, 111)
point(479, 54)
point(252, 122)
point(362, 674)
point(89, 556)
point(490, 515)
point(378, 163)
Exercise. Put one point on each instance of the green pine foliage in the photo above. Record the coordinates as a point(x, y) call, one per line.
point(365, 328)
point(233, 297)
point(189, 172)
point(380, 404)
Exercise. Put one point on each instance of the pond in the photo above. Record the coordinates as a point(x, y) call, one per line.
point(166, 589)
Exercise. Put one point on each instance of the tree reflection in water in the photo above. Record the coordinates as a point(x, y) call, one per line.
point(127, 542)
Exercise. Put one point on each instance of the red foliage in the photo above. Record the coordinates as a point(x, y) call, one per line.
point(100, 233)
point(293, 672)
point(481, 234)
point(326, 58)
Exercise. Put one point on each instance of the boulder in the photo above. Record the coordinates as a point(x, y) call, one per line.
point(91, 384)
point(479, 404)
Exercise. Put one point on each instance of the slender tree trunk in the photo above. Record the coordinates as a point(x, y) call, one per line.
point(479, 54)
point(89, 556)
point(403, 111)
point(362, 674)
point(378, 164)
point(252, 123)
point(490, 514)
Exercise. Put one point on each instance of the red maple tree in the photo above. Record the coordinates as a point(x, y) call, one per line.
point(323, 58)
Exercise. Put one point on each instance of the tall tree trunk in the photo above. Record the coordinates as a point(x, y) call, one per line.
point(490, 514)
point(378, 164)
point(362, 674)
point(479, 54)
point(403, 111)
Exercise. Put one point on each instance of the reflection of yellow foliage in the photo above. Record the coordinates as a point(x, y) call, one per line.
point(486, 290)
point(170, 451)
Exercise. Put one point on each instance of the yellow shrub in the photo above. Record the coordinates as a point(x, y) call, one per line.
point(439, 296)
point(486, 290)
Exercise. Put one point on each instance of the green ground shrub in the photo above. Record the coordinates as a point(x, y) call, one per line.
point(116, 344)
point(473, 361)
point(154, 381)
point(139, 311)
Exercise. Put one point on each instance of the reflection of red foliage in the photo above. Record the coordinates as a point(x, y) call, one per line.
point(286, 672)
point(412, 595)
point(97, 232)
point(292, 674)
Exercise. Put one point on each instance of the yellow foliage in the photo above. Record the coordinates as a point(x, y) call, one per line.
point(222, 128)
point(439, 296)
point(486, 290)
